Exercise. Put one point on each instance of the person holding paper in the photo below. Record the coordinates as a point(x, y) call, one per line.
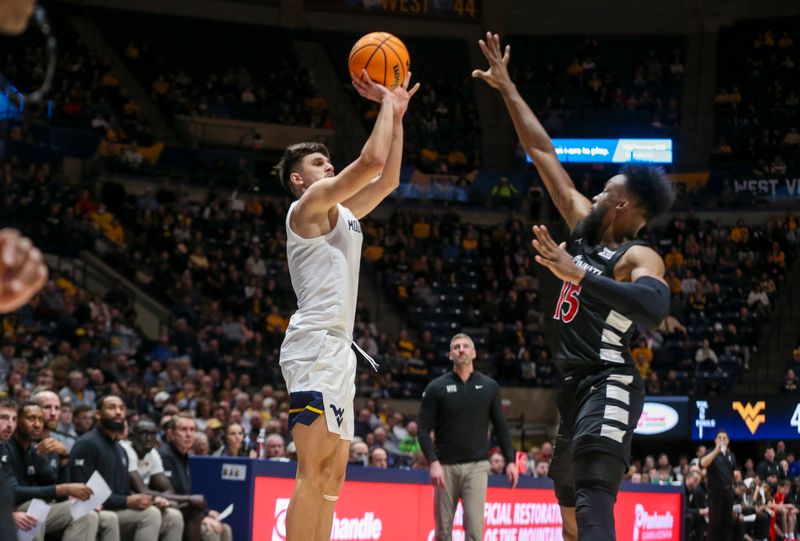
point(175, 456)
point(98, 450)
point(147, 475)
point(30, 476)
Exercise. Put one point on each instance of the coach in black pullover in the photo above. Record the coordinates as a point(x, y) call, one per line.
point(457, 407)
point(98, 450)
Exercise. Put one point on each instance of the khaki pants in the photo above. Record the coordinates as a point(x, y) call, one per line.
point(466, 481)
point(108, 526)
point(60, 520)
point(211, 535)
point(171, 525)
point(136, 525)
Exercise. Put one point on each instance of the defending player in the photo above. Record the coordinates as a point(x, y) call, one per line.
point(324, 251)
point(610, 282)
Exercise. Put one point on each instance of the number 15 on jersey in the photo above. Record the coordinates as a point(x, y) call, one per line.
point(568, 302)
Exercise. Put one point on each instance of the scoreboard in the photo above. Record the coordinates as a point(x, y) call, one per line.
point(765, 417)
point(456, 10)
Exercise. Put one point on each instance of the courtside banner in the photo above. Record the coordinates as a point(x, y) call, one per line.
point(404, 511)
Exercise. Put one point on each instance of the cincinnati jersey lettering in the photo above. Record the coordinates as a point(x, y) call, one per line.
point(591, 333)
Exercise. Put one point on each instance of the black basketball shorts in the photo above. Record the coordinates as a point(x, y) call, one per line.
point(599, 412)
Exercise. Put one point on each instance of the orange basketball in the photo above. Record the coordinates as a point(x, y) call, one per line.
point(383, 56)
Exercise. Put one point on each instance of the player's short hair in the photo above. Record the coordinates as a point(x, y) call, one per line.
point(292, 156)
point(653, 191)
point(722, 431)
point(462, 335)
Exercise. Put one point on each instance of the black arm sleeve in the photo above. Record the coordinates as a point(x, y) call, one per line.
point(426, 422)
point(645, 301)
point(501, 427)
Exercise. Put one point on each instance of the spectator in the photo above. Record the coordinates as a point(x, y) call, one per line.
point(497, 464)
point(83, 419)
point(410, 442)
point(769, 466)
point(76, 390)
point(642, 357)
point(201, 447)
point(790, 383)
point(541, 468)
point(359, 454)
point(276, 448)
point(705, 358)
point(234, 442)
point(175, 456)
point(379, 458)
point(696, 507)
point(504, 194)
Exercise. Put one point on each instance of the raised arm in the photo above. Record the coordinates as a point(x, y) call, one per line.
point(572, 205)
point(326, 193)
point(376, 191)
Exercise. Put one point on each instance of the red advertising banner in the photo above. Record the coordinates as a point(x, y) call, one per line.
point(403, 512)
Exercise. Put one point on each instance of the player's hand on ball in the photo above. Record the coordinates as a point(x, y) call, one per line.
point(402, 95)
point(555, 257)
point(22, 270)
point(369, 89)
point(497, 74)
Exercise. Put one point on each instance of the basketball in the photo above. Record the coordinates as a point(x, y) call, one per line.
point(384, 57)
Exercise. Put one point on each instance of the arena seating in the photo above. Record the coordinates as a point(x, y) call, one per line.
point(86, 92)
point(757, 99)
point(612, 86)
point(186, 64)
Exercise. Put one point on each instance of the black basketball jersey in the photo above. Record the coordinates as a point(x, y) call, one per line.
point(590, 332)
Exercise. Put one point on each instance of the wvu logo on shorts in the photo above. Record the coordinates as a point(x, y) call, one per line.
point(751, 415)
point(339, 413)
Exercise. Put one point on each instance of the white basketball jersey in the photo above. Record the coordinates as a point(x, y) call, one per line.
point(324, 273)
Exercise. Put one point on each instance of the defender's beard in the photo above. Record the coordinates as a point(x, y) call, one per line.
point(590, 227)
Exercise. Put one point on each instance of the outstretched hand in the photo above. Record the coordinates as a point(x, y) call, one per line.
point(402, 95)
point(497, 74)
point(367, 88)
point(22, 270)
point(555, 257)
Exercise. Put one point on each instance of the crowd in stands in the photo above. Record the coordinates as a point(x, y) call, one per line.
point(220, 265)
point(86, 92)
point(188, 74)
point(766, 490)
point(757, 100)
point(597, 87)
point(446, 275)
